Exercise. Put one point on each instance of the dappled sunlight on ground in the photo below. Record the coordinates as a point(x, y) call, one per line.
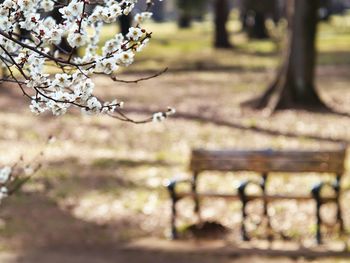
point(111, 174)
point(101, 185)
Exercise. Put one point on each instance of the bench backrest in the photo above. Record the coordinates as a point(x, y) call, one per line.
point(265, 161)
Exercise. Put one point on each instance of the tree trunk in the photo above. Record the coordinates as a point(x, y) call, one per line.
point(254, 14)
point(221, 17)
point(125, 24)
point(158, 11)
point(294, 85)
point(185, 20)
point(185, 9)
point(257, 28)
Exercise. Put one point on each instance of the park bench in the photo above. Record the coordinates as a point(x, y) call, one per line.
point(265, 163)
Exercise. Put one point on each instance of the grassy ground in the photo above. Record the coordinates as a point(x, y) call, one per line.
point(102, 183)
point(192, 48)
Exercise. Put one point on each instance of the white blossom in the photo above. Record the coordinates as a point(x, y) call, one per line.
point(47, 5)
point(158, 117)
point(161, 116)
point(3, 192)
point(70, 85)
point(142, 17)
point(5, 174)
point(134, 33)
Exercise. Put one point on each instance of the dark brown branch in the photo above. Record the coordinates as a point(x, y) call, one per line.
point(140, 79)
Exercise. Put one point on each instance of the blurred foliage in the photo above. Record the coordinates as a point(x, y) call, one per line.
point(190, 5)
point(192, 48)
point(266, 6)
point(193, 8)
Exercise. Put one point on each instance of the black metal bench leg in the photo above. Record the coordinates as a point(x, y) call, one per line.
point(316, 192)
point(244, 201)
point(172, 192)
point(263, 188)
point(266, 214)
point(339, 210)
point(195, 197)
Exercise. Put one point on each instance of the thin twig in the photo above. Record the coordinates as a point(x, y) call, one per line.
point(114, 78)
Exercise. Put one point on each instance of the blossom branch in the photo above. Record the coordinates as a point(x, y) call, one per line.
point(114, 78)
point(27, 57)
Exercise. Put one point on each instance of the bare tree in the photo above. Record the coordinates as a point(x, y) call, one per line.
point(222, 12)
point(294, 84)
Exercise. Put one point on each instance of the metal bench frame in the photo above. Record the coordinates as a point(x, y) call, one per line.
point(263, 162)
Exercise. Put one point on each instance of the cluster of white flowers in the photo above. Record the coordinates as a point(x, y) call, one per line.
point(27, 56)
point(161, 116)
point(13, 178)
point(5, 174)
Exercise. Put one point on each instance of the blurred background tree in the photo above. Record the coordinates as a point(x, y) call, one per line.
point(188, 10)
point(294, 85)
point(222, 12)
point(254, 14)
point(125, 23)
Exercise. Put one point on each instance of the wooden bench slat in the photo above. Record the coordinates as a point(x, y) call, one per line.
point(269, 161)
point(268, 198)
point(207, 195)
point(233, 165)
point(267, 153)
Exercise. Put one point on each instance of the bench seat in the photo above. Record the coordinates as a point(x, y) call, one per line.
point(264, 162)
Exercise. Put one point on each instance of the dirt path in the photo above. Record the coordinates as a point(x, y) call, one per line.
point(151, 250)
point(128, 257)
